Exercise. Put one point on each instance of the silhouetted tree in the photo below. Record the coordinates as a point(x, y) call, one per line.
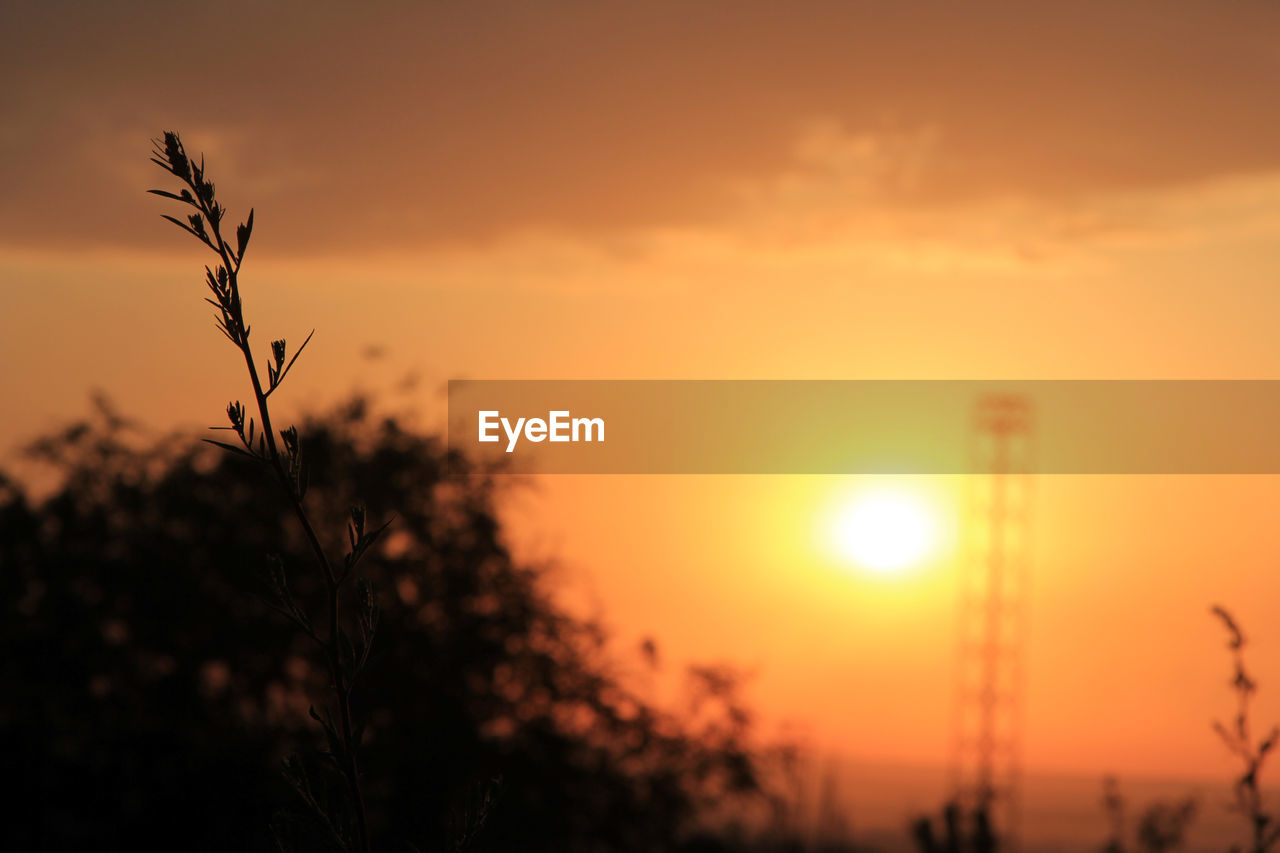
point(146, 701)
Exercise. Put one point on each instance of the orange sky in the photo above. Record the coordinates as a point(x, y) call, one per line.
point(714, 190)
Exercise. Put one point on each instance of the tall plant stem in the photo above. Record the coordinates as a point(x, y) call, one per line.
point(238, 332)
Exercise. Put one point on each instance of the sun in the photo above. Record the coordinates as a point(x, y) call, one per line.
point(884, 531)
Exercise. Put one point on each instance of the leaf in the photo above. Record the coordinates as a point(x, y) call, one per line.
point(230, 447)
point(184, 226)
point(242, 235)
point(174, 196)
point(373, 537)
point(223, 328)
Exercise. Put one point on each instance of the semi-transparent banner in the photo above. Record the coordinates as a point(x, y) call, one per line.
point(868, 427)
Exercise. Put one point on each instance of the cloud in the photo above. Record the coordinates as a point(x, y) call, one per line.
point(449, 124)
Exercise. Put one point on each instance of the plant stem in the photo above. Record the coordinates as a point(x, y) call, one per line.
point(333, 584)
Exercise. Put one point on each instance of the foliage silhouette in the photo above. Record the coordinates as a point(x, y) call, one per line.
point(154, 692)
point(1264, 830)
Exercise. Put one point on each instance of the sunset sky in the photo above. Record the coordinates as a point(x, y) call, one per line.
point(712, 190)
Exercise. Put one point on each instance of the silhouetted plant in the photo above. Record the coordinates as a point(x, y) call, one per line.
point(344, 655)
point(1113, 806)
point(1264, 831)
point(958, 836)
point(1161, 828)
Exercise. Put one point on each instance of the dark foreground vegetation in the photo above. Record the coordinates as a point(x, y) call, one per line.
point(152, 694)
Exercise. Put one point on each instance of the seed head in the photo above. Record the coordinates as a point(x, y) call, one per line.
point(178, 163)
point(290, 438)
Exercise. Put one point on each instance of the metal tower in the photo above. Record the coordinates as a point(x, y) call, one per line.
point(991, 618)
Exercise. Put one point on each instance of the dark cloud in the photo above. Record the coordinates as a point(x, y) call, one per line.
point(404, 124)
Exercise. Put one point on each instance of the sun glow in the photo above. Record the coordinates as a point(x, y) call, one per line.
point(884, 531)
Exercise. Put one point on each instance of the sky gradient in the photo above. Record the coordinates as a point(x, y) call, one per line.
point(708, 190)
